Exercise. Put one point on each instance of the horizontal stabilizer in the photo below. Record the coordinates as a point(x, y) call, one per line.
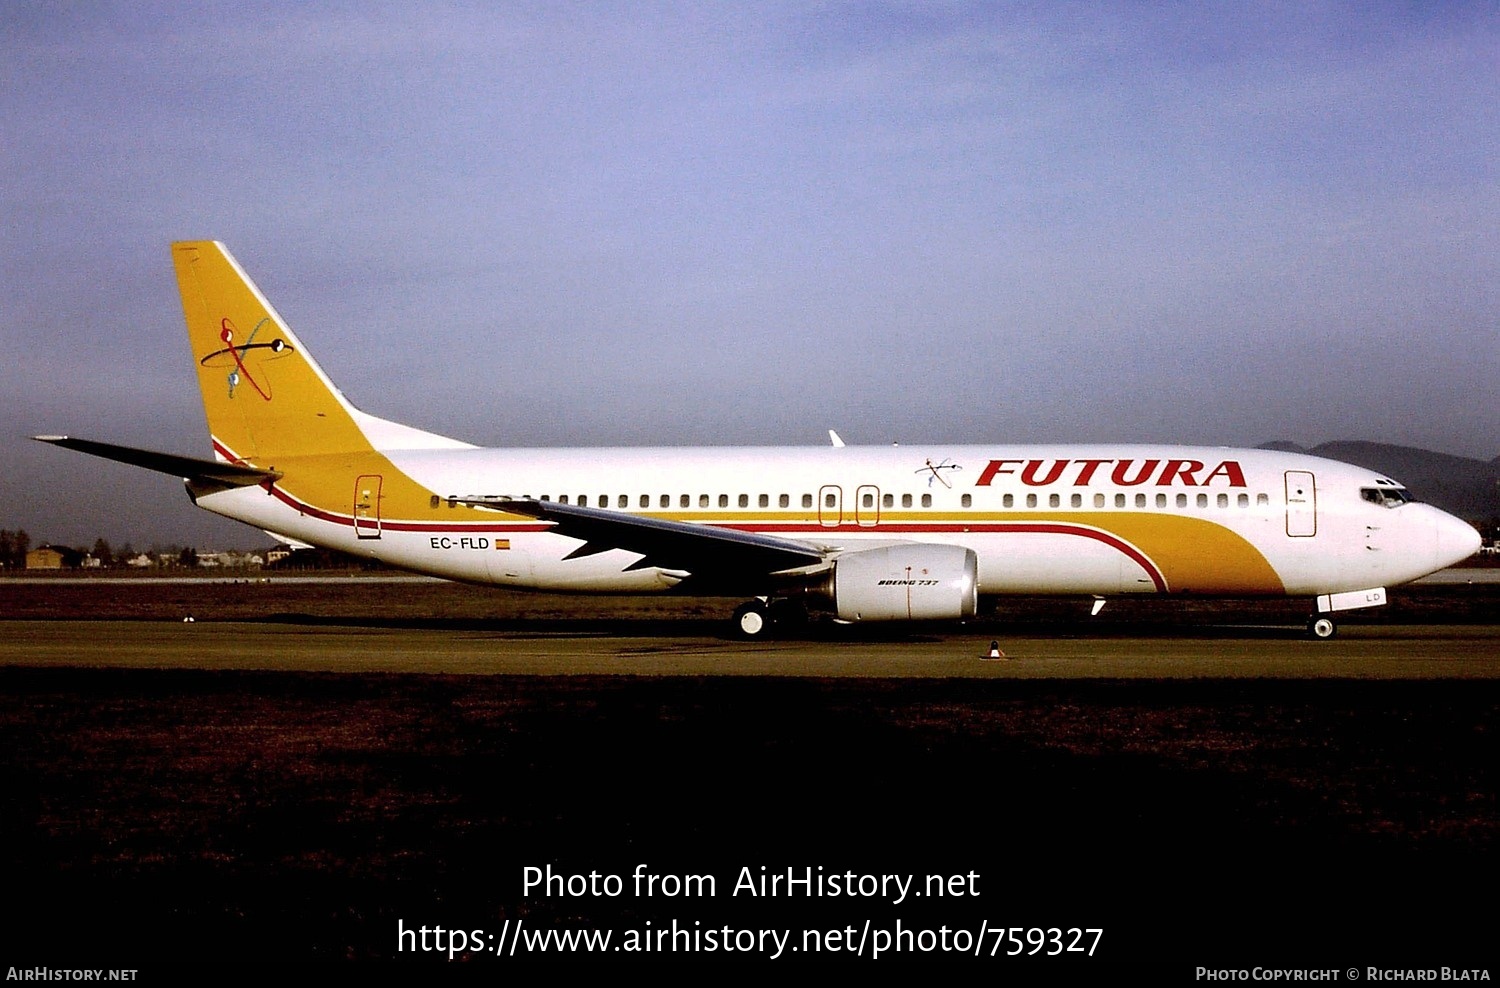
point(188, 468)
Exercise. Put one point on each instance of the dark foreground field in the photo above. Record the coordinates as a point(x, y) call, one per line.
point(162, 817)
point(156, 815)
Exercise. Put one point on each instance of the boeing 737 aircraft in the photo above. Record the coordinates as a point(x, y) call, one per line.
point(868, 534)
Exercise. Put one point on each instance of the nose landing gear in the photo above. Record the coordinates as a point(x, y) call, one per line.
point(1322, 627)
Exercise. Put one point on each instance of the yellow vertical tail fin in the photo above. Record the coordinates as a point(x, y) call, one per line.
point(263, 394)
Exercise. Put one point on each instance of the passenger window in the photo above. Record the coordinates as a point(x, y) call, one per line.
point(1030, 500)
point(829, 500)
point(1262, 499)
point(1140, 500)
point(888, 500)
point(744, 500)
point(1244, 500)
point(1223, 500)
point(1202, 500)
point(563, 499)
point(868, 501)
point(1098, 500)
point(1119, 500)
point(764, 501)
point(807, 500)
point(702, 500)
point(905, 500)
point(723, 500)
point(784, 501)
point(1054, 500)
point(645, 500)
point(433, 501)
point(967, 500)
point(583, 500)
point(926, 500)
point(1076, 500)
point(1008, 501)
point(1182, 500)
point(1161, 500)
point(624, 501)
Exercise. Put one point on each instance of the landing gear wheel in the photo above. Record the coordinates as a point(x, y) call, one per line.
point(752, 619)
point(1322, 627)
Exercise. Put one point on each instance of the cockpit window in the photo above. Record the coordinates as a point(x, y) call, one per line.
point(1390, 497)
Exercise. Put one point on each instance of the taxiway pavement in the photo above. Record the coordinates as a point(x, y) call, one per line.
point(1360, 652)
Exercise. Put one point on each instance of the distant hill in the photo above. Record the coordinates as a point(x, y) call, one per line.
point(1464, 487)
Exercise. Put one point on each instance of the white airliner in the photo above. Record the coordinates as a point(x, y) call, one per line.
point(869, 534)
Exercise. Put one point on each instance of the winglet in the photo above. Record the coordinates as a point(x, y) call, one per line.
point(834, 437)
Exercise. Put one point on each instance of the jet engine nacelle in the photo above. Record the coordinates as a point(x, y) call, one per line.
point(906, 583)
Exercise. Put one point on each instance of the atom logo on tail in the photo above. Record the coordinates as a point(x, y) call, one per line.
point(241, 356)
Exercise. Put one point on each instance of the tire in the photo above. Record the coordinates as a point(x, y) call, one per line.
point(1322, 627)
point(752, 620)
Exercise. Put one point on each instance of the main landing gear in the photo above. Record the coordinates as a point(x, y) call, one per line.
point(763, 616)
point(752, 619)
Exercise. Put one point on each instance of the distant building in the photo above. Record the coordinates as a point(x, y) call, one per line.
point(228, 559)
point(45, 557)
point(142, 561)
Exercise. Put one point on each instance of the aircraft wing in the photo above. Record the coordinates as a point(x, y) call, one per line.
point(187, 467)
point(702, 550)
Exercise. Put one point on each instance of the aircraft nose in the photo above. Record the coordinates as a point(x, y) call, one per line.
point(1455, 540)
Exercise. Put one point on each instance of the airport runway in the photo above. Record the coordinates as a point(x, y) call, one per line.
point(1382, 652)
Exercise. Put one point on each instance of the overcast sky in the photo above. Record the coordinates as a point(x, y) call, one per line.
point(600, 224)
